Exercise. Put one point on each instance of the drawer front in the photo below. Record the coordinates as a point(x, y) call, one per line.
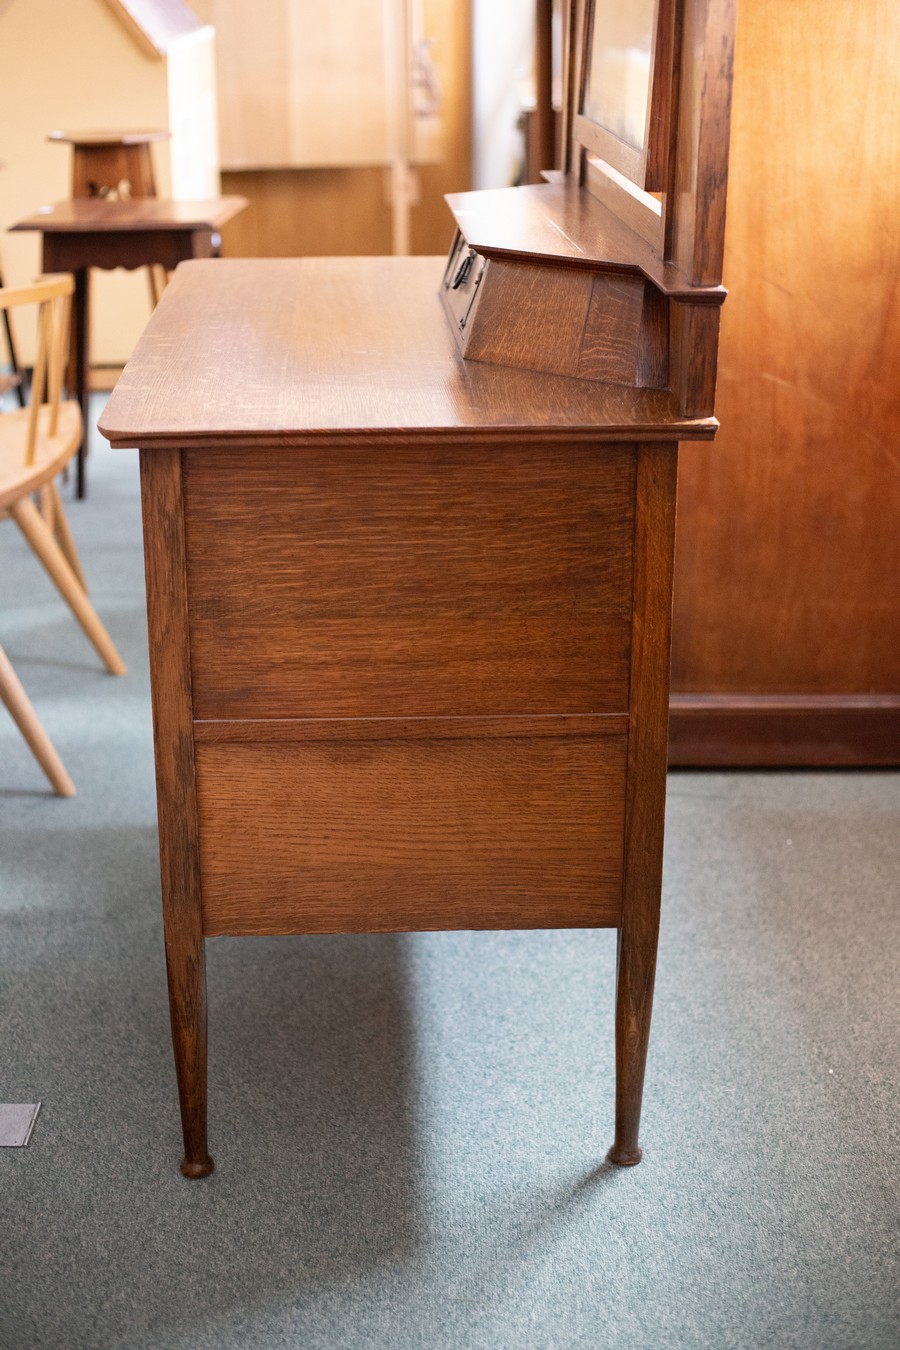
point(409, 581)
point(453, 830)
point(461, 284)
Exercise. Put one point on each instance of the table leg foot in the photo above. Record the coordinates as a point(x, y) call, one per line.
point(196, 1170)
point(624, 1156)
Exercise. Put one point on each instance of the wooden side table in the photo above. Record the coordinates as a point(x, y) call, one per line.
point(92, 232)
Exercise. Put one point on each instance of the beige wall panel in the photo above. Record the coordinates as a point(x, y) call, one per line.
point(301, 84)
point(347, 211)
point(71, 65)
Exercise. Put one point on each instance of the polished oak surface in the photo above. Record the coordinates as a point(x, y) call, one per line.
point(409, 581)
point(341, 345)
point(549, 220)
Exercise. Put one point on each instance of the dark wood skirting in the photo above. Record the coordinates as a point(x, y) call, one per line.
point(784, 730)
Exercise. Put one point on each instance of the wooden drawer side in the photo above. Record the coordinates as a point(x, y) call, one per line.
point(365, 836)
point(411, 581)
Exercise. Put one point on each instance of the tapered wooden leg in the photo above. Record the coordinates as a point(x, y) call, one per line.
point(26, 719)
point(63, 535)
point(635, 972)
point(645, 795)
point(173, 736)
point(34, 528)
point(186, 967)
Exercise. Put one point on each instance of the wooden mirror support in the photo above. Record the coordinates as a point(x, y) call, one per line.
point(410, 580)
point(590, 274)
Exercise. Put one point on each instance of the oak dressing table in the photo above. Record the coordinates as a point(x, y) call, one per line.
point(409, 529)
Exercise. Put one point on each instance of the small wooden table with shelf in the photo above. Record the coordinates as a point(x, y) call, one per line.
point(142, 232)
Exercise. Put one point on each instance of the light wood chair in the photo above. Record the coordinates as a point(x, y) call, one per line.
point(36, 442)
point(26, 719)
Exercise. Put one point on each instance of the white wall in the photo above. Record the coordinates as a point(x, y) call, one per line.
point(503, 41)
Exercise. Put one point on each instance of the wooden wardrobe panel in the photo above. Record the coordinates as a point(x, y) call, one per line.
point(789, 548)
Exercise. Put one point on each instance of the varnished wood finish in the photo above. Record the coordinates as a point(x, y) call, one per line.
point(832, 731)
point(654, 546)
point(343, 345)
point(706, 42)
point(379, 588)
point(176, 793)
point(694, 332)
point(103, 160)
point(423, 602)
point(574, 229)
point(565, 321)
point(514, 322)
point(787, 606)
point(289, 730)
point(99, 217)
point(600, 218)
point(455, 831)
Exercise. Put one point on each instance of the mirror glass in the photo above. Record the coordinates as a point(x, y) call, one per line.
point(617, 87)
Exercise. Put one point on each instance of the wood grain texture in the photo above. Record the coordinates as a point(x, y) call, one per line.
point(611, 339)
point(789, 551)
point(431, 582)
point(642, 212)
point(706, 46)
point(555, 220)
point(272, 352)
point(654, 546)
point(693, 362)
point(560, 321)
point(176, 793)
point(529, 317)
point(374, 836)
point(288, 730)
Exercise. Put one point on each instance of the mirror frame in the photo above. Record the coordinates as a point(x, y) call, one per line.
point(649, 169)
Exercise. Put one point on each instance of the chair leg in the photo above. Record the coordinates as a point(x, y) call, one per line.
point(29, 521)
point(159, 279)
point(63, 536)
point(26, 719)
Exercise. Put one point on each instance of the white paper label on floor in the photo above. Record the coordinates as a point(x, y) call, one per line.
point(16, 1124)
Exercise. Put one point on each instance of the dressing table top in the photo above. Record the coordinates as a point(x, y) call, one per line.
point(276, 352)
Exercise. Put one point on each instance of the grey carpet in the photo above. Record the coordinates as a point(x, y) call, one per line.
point(409, 1130)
